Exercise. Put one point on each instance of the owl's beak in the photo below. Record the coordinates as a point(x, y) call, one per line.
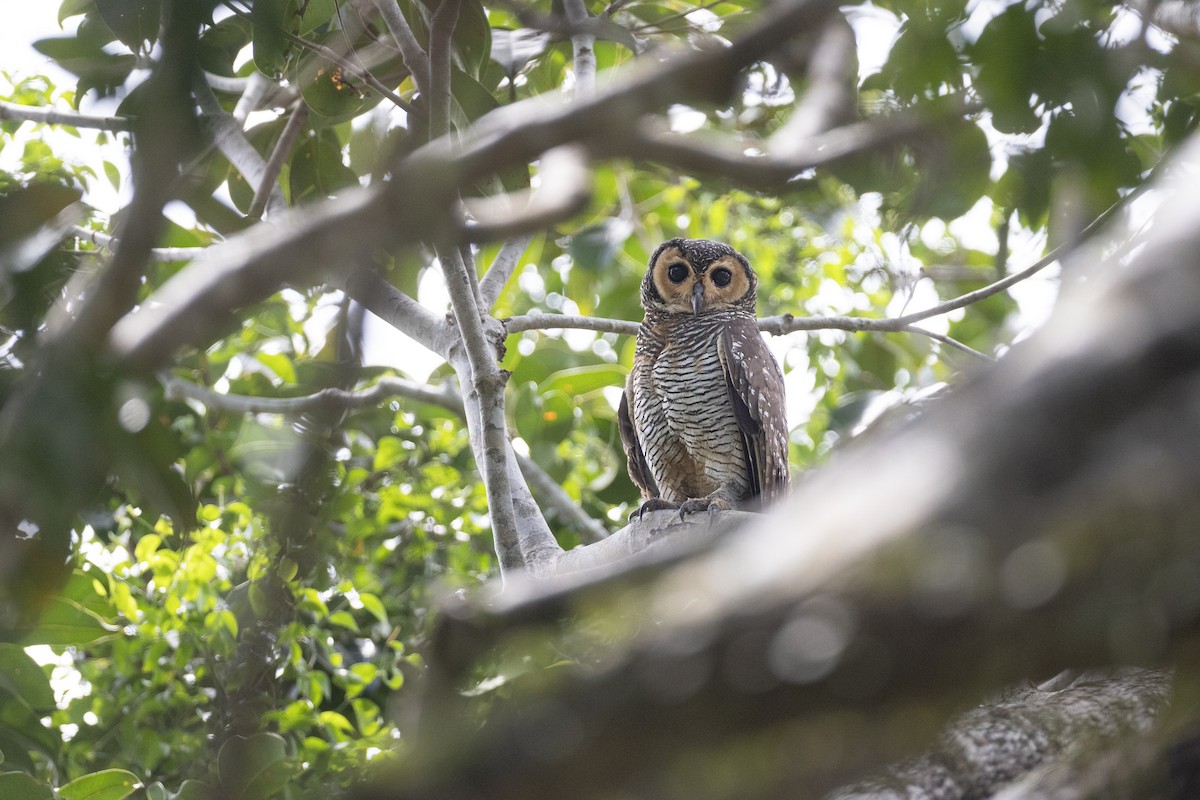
point(697, 297)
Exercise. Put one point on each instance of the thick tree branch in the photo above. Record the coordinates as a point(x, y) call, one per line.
point(483, 394)
point(283, 148)
point(52, 116)
point(651, 142)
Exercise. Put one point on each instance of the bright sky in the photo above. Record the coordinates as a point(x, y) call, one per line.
point(36, 20)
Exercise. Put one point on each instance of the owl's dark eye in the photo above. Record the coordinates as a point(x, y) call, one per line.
point(721, 276)
point(677, 272)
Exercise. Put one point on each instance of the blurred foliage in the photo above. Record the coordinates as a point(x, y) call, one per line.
point(249, 596)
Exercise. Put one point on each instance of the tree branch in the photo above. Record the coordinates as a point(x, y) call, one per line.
point(831, 96)
point(267, 187)
point(257, 85)
point(483, 394)
point(441, 49)
point(230, 139)
point(107, 242)
point(716, 156)
point(948, 340)
point(415, 58)
point(563, 192)
point(52, 116)
point(399, 310)
point(497, 275)
point(533, 322)
point(554, 496)
point(176, 388)
point(584, 47)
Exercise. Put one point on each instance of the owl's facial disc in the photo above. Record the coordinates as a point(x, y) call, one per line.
point(674, 280)
point(697, 277)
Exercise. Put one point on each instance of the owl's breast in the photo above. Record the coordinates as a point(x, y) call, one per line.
point(685, 418)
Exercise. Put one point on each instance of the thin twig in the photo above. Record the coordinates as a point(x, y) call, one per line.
point(283, 148)
point(107, 242)
point(533, 322)
point(948, 340)
point(176, 388)
point(52, 116)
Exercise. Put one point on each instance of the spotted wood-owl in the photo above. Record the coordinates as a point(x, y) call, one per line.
point(702, 418)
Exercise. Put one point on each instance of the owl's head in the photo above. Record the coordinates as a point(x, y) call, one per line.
point(696, 276)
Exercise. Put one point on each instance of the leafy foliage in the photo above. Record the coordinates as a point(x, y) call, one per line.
point(248, 596)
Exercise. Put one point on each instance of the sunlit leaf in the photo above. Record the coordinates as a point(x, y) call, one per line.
point(109, 784)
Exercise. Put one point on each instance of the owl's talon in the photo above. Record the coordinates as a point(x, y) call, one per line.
point(653, 504)
point(709, 504)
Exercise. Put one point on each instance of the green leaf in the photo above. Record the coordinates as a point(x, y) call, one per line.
point(254, 767)
point(21, 675)
point(66, 622)
point(272, 22)
point(344, 619)
point(108, 784)
point(135, 22)
point(73, 8)
point(374, 606)
point(23, 726)
point(317, 170)
point(19, 786)
point(88, 61)
point(1009, 56)
point(582, 380)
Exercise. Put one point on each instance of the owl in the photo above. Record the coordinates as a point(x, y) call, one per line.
point(702, 416)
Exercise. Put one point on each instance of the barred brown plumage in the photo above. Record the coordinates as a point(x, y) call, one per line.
point(702, 418)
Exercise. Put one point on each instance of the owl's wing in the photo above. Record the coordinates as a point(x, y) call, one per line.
point(639, 470)
point(755, 385)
